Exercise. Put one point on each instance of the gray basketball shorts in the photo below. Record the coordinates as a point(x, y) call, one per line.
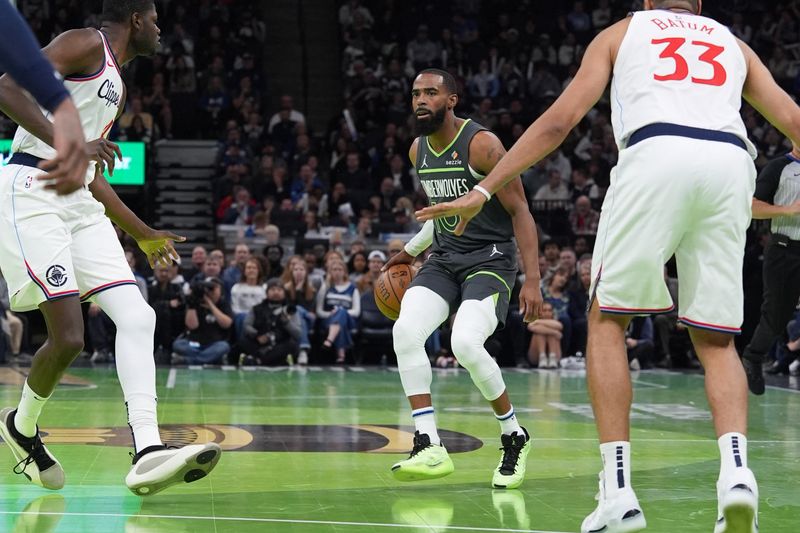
point(475, 275)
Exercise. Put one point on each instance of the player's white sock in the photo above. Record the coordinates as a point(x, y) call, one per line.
point(508, 423)
point(616, 465)
point(732, 452)
point(425, 422)
point(136, 368)
point(28, 411)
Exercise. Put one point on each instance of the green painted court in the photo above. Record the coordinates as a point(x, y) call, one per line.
point(310, 451)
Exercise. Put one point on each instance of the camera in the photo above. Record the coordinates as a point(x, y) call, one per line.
point(198, 290)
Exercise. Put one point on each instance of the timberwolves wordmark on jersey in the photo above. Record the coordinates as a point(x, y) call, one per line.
point(446, 176)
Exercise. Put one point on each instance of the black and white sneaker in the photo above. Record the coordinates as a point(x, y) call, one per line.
point(737, 509)
point(157, 467)
point(34, 461)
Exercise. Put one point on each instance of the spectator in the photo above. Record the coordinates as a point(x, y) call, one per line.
point(376, 260)
point(639, 342)
point(233, 273)
point(199, 255)
point(273, 253)
point(583, 185)
point(583, 219)
point(578, 308)
point(554, 189)
point(545, 346)
point(357, 266)
point(555, 292)
point(167, 300)
point(287, 113)
point(422, 52)
point(250, 291)
point(301, 292)
point(208, 320)
point(241, 212)
point(339, 306)
point(272, 329)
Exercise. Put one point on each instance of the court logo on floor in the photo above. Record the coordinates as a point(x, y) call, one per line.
point(272, 438)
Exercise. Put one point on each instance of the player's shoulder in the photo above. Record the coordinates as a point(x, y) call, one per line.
point(80, 37)
point(412, 151)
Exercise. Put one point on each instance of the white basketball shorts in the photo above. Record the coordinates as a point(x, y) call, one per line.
point(55, 246)
point(687, 197)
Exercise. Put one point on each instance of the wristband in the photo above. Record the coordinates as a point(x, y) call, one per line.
point(483, 192)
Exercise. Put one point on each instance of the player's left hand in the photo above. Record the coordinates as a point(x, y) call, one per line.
point(157, 246)
point(530, 300)
point(465, 207)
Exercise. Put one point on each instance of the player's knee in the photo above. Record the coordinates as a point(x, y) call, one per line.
point(69, 344)
point(467, 346)
point(139, 320)
point(407, 335)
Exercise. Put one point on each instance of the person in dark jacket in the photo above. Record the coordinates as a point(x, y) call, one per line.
point(272, 329)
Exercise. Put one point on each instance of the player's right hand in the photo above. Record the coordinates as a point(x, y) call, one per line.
point(400, 258)
point(104, 152)
point(66, 173)
point(465, 207)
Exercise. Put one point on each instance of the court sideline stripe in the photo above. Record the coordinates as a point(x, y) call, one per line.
point(173, 374)
point(282, 521)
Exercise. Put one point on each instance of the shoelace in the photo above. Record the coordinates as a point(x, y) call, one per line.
point(37, 454)
point(420, 444)
point(510, 457)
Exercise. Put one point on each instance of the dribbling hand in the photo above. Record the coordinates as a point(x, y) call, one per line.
point(400, 258)
point(465, 207)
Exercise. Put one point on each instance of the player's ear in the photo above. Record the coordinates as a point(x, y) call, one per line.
point(136, 21)
point(452, 101)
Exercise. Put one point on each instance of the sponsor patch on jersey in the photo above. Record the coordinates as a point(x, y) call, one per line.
point(56, 276)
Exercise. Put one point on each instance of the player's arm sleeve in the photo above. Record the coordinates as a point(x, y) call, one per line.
point(769, 179)
point(21, 58)
point(421, 241)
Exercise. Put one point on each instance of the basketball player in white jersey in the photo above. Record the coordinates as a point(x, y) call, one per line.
point(683, 185)
point(56, 251)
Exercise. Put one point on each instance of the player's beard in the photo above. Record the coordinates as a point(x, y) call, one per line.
point(430, 125)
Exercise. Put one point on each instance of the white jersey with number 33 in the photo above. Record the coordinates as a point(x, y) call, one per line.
point(678, 68)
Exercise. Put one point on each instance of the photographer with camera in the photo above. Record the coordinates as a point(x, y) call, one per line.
point(272, 329)
point(208, 320)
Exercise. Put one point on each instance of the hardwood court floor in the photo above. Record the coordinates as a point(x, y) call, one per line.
point(311, 451)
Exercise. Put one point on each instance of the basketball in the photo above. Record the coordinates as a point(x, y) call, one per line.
point(390, 288)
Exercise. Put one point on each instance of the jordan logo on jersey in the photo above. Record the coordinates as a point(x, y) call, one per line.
point(424, 161)
point(56, 276)
point(108, 92)
point(495, 251)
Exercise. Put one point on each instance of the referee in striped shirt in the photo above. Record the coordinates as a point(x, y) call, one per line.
point(777, 197)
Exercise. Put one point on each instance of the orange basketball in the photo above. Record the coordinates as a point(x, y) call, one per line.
point(390, 288)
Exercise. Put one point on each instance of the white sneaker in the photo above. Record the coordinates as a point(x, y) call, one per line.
point(302, 358)
point(35, 462)
point(619, 514)
point(554, 362)
point(157, 467)
point(737, 507)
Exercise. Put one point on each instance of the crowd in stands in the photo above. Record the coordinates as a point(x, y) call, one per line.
point(326, 200)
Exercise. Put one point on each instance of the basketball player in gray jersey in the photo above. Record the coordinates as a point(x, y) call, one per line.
point(471, 275)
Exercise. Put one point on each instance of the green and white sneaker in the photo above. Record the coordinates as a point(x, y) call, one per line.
point(426, 461)
point(510, 473)
point(157, 467)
